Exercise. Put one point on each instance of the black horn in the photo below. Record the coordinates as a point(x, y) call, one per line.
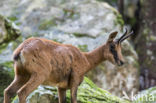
point(125, 37)
point(122, 36)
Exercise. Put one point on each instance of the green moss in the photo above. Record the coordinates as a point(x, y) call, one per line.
point(78, 34)
point(83, 35)
point(46, 24)
point(68, 13)
point(8, 67)
point(15, 100)
point(3, 47)
point(88, 92)
point(57, 40)
point(12, 18)
point(18, 23)
point(11, 31)
point(6, 75)
point(15, 43)
point(119, 19)
point(83, 48)
point(7, 64)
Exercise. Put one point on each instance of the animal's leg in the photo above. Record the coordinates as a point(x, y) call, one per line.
point(34, 81)
point(73, 92)
point(74, 83)
point(11, 90)
point(62, 95)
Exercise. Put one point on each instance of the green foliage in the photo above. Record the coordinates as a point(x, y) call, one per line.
point(119, 19)
point(6, 75)
point(45, 24)
point(18, 41)
point(8, 67)
point(57, 40)
point(78, 34)
point(83, 48)
point(3, 47)
point(82, 35)
point(12, 18)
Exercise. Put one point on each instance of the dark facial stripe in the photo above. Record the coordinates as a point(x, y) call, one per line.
point(114, 52)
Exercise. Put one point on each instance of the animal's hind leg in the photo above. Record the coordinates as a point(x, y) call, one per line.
point(11, 90)
point(17, 83)
point(34, 81)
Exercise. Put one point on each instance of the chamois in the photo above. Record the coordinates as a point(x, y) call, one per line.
point(41, 61)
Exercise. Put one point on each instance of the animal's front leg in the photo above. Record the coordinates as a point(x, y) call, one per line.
point(62, 95)
point(75, 81)
point(73, 92)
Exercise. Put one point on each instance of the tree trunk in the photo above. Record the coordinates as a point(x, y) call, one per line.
point(145, 43)
point(121, 7)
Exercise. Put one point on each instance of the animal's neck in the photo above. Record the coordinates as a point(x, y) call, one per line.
point(95, 57)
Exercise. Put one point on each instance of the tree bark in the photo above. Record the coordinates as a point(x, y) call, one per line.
point(121, 7)
point(145, 43)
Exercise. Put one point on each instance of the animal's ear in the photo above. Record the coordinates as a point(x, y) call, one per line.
point(112, 36)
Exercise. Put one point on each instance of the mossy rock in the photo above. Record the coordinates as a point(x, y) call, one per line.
point(119, 18)
point(9, 30)
point(88, 92)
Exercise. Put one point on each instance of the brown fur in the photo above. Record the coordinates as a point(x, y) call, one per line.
point(41, 61)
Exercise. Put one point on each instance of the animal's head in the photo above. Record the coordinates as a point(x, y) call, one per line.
point(114, 53)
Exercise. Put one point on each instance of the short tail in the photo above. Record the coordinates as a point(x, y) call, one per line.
point(16, 56)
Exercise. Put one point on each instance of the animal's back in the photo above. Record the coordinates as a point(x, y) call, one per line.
point(55, 60)
point(32, 43)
